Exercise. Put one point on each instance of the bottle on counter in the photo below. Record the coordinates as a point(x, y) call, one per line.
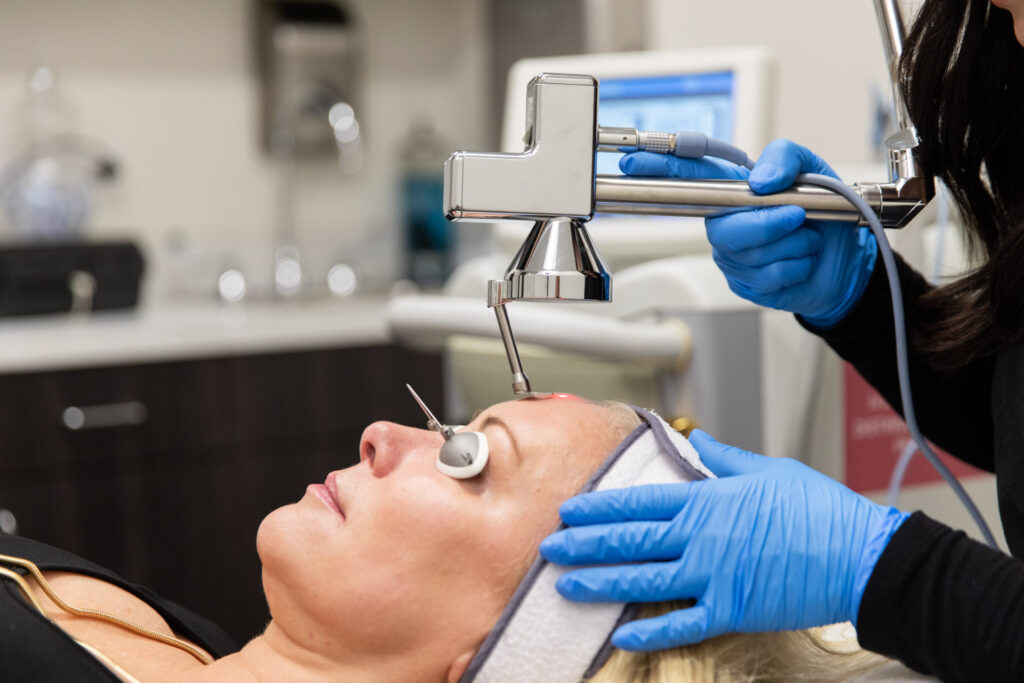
point(47, 188)
point(428, 236)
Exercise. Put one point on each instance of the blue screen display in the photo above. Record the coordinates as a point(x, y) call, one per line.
point(701, 102)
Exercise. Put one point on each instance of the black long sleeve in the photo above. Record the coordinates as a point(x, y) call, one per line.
point(953, 410)
point(945, 605)
point(940, 602)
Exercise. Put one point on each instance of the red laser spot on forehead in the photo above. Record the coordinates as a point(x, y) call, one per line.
point(562, 397)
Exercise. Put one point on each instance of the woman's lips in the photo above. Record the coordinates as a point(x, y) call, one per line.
point(327, 493)
point(321, 492)
point(332, 486)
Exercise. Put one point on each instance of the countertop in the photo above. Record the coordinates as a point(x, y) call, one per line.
point(183, 330)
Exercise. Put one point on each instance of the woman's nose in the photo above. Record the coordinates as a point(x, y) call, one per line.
point(385, 445)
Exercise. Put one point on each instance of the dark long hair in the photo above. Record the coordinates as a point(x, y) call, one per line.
point(962, 76)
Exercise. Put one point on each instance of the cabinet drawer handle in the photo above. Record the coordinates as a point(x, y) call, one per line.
point(8, 523)
point(126, 414)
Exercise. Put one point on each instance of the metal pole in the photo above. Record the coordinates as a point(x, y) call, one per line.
point(520, 382)
point(625, 195)
point(890, 23)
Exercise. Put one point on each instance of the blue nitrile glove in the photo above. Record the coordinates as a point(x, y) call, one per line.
point(773, 256)
point(772, 545)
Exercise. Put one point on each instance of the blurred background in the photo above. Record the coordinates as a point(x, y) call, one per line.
point(173, 93)
point(207, 208)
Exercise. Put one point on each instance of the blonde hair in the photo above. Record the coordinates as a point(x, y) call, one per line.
point(622, 418)
point(777, 657)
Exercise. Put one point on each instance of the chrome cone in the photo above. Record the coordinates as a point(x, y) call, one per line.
point(558, 262)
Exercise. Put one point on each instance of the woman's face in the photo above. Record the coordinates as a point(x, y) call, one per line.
point(1016, 8)
point(413, 560)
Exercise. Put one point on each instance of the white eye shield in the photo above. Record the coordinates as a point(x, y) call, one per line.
point(541, 636)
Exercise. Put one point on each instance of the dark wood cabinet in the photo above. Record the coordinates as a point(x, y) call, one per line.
point(174, 501)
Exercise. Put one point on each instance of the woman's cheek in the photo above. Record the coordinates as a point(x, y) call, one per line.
point(432, 520)
point(426, 501)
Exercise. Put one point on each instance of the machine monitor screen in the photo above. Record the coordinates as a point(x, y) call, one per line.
point(700, 102)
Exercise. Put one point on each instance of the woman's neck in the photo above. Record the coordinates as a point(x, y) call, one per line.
point(274, 656)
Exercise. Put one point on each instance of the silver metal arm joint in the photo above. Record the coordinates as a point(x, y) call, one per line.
point(897, 203)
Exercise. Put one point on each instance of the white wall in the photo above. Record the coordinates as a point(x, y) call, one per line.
point(828, 57)
point(171, 86)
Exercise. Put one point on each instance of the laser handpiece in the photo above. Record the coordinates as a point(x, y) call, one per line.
point(554, 183)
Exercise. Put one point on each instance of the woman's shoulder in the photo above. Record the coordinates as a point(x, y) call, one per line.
point(49, 557)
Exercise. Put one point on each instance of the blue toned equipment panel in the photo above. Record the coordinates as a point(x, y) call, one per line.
point(701, 102)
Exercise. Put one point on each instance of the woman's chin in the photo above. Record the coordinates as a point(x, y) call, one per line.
point(269, 533)
point(294, 531)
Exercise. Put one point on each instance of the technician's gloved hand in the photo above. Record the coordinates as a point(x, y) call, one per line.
point(771, 545)
point(773, 256)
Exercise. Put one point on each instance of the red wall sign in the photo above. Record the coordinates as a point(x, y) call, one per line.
point(875, 435)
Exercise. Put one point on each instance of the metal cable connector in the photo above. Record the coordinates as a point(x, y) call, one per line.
point(657, 142)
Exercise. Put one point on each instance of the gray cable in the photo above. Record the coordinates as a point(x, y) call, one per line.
point(696, 145)
point(899, 321)
point(898, 472)
point(902, 363)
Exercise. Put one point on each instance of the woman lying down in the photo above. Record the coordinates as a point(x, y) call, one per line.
point(393, 570)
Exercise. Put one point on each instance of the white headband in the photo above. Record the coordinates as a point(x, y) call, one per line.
point(541, 636)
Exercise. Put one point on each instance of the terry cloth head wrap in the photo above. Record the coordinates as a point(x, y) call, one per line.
point(541, 636)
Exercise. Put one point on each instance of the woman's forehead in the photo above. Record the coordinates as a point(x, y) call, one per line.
point(549, 408)
point(560, 444)
point(531, 401)
point(555, 397)
point(547, 422)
